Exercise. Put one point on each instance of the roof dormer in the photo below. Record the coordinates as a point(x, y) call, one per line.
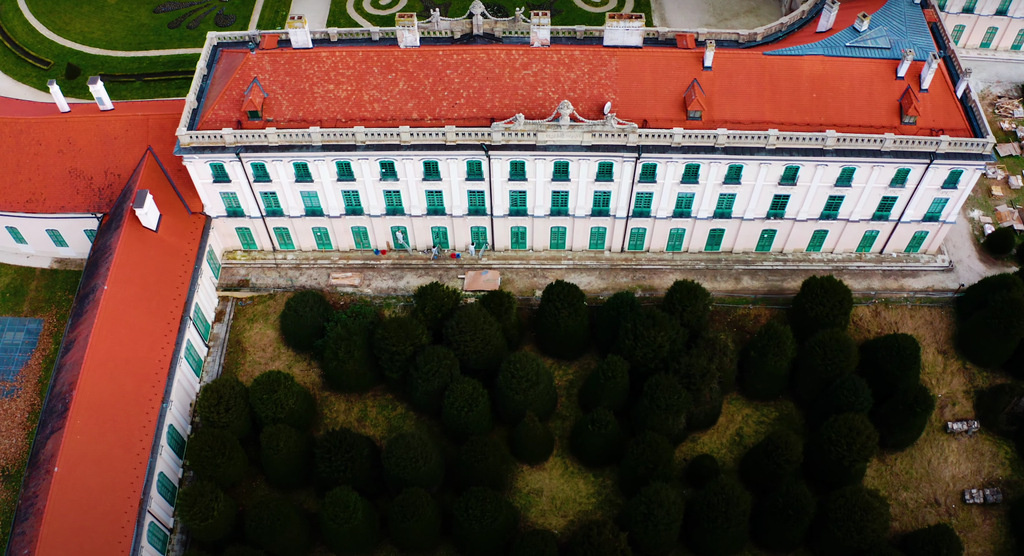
point(695, 101)
point(910, 107)
point(252, 102)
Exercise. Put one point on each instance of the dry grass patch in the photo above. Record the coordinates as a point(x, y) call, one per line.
point(256, 346)
point(561, 491)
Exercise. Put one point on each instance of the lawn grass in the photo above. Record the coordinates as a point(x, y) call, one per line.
point(563, 12)
point(274, 14)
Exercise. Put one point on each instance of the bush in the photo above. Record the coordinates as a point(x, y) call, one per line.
point(850, 520)
point(607, 385)
point(414, 521)
point(901, 419)
point(412, 459)
point(208, 512)
point(396, 341)
point(304, 320)
point(344, 457)
point(839, 453)
point(647, 458)
point(979, 296)
point(596, 438)
point(535, 542)
point(476, 340)
point(597, 537)
point(483, 461)
point(346, 358)
point(848, 394)
point(466, 409)
point(429, 377)
point(709, 371)
point(275, 525)
point(433, 305)
point(483, 522)
point(702, 471)
point(823, 302)
point(72, 72)
point(781, 519)
point(276, 398)
point(652, 519)
point(821, 360)
point(504, 307)
point(689, 304)
point(241, 550)
point(1000, 242)
point(990, 320)
point(216, 455)
point(524, 384)
point(890, 363)
point(348, 522)
point(651, 342)
point(531, 441)
point(1016, 518)
point(1000, 408)
point(717, 519)
point(609, 317)
point(561, 324)
point(935, 540)
point(773, 461)
point(224, 404)
point(662, 408)
point(285, 455)
point(1015, 364)
point(766, 361)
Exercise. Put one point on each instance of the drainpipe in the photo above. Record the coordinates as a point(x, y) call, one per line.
point(255, 199)
point(632, 185)
point(490, 188)
point(931, 160)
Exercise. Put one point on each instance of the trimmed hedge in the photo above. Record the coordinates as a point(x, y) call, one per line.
point(652, 519)
point(990, 320)
point(304, 319)
point(208, 512)
point(466, 409)
point(839, 452)
point(224, 404)
point(597, 537)
point(610, 316)
point(483, 522)
point(596, 438)
point(524, 384)
point(901, 419)
point(766, 361)
point(773, 461)
point(504, 307)
point(823, 302)
point(348, 522)
point(483, 461)
point(781, 519)
point(935, 540)
point(821, 360)
point(562, 321)
point(434, 369)
point(344, 457)
point(433, 305)
point(651, 341)
point(346, 358)
point(607, 385)
point(531, 441)
point(702, 471)
point(215, 454)
point(414, 521)
point(848, 394)
point(662, 408)
point(285, 455)
point(396, 341)
point(276, 398)
point(890, 363)
point(708, 372)
point(689, 303)
point(648, 458)
point(849, 521)
point(412, 459)
point(717, 519)
point(476, 340)
point(275, 525)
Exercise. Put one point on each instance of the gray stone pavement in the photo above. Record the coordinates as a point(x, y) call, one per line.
point(315, 11)
point(714, 14)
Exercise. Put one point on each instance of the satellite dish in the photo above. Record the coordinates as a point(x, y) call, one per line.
point(607, 108)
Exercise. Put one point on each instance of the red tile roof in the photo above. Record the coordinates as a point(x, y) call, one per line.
point(474, 85)
point(847, 14)
point(79, 162)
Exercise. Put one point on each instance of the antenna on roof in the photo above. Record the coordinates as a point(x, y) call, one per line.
point(607, 108)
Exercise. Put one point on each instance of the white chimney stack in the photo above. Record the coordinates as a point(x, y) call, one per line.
point(540, 28)
point(908, 57)
point(58, 97)
point(145, 209)
point(863, 20)
point(624, 29)
point(406, 30)
point(99, 92)
point(928, 72)
point(828, 16)
point(709, 54)
point(961, 85)
point(298, 31)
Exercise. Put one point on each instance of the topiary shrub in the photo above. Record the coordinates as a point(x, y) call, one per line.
point(414, 521)
point(562, 322)
point(1000, 408)
point(476, 340)
point(848, 394)
point(979, 296)
point(531, 441)
point(839, 452)
point(285, 455)
point(72, 71)
point(466, 409)
point(890, 363)
point(275, 525)
point(766, 361)
point(434, 369)
point(610, 316)
point(304, 320)
point(607, 385)
point(935, 540)
point(348, 522)
point(1000, 242)
point(412, 459)
point(651, 342)
point(504, 307)
point(535, 542)
point(823, 302)
point(652, 519)
point(821, 360)
point(396, 341)
point(662, 408)
point(702, 471)
point(647, 458)
point(215, 454)
point(850, 520)
point(224, 404)
point(990, 320)
point(773, 461)
point(1015, 364)
point(708, 372)
point(597, 537)
point(524, 384)
point(717, 519)
point(346, 357)
point(433, 305)
point(483, 522)
point(483, 461)
point(902, 418)
point(344, 457)
point(596, 438)
point(689, 303)
point(780, 519)
point(276, 398)
point(208, 512)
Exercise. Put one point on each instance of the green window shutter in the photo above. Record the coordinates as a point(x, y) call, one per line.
point(723, 208)
point(518, 235)
point(90, 235)
point(517, 203)
point(478, 235)
point(777, 208)
point(1004, 7)
point(202, 324)
point(969, 6)
point(220, 173)
point(934, 212)
point(231, 204)
point(271, 204)
point(431, 170)
point(439, 236)
point(16, 235)
point(684, 205)
point(259, 172)
point(361, 237)
point(557, 238)
point(435, 202)
point(916, 241)
point(517, 170)
point(477, 200)
point(884, 209)
point(942, 4)
point(642, 204)
point(284, 238)
point(598, 238)
point(388, 171)
point(845, 178)
point(474, 170)
point(559, 203)
point(637, 238)
point(157, 537)
point(602, 203)
point(648, 172)
point(175, 441)
point(214, 264)
point(605, 171)
point(789, 175)
point(952, 179)
point(715, 237)
point(353, 205)
point(1018, 41)
point(245, 238)
point(344, 170)
point(867, 241)
point(817, 241)
point(166, 488)
point(765, 241)
point(311, 203)
point(990, 35)
point(560, 171)
point(675, 240)
point(958, 31)
point(832, 206)
point(322, 238)
point(302, 173)
point(193, 359)
point(734, 175)
point(691, 174)
point(56, 238)
point(393, 203)
point(400, 237)
point(899, 179)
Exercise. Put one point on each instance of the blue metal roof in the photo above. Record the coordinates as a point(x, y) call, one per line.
point(896, 26)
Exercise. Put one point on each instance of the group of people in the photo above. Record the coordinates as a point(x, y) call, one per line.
point(435, 251)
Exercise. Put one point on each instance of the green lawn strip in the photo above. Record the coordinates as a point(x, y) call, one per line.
point(274, 14)
point(15, 283)
point(563, 12)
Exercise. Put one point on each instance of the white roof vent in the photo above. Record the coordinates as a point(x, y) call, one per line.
point(145, 209)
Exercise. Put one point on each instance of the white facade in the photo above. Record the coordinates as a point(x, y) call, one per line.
point(996, 25)
point(37, 239)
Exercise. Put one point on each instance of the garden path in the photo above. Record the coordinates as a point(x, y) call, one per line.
point(13, 89)
point(256, 9)
point(316, 12)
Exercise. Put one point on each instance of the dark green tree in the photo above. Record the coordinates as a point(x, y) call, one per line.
point(1015, 364)
point(647, 458)
point(414, 521)
point(935, 540)
point(348, 522)
point(344, 457)
point(276, 398)
point(531, 441)
point(690, 304)
point(484, 461)
point(821, 360)
point(717, 519)
point(224, 404)
point(610, 316)
point(773, 461)
point(430, 375)
point(990, 320)
point(980, 295)
point(562, 321)
point(285, 455)
point(781, 518)
point(412, 459)
point(651, 341)
point(702, 471)
point(1016, 518)
point(483, 522)
point(766, 361)
point(848, 394)
point(215, 454)
point(535, 542)
point(1000, 242)
point(839, 452)
point(275, 525)
point(466, 409)
point(902, 418)
point(597, 537)
point(849, 521)
point(823, 302)
point(708, 372)
point(476, 340)
point(607, 385)
point(653, 518)
point(396, 341)
point(433, 304)
point(240, 550)
point(304, 319)
point(524, 384)
point(346, 357)
point(504, 307)
point(596, 438)
point(1000, 408)
point(890, 363)
point(208, 512)
point(662, 408)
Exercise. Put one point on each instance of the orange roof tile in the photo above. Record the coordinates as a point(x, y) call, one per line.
point(847, 14)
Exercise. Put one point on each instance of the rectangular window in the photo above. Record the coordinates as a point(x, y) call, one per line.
point(478, 235)
point(431, 170)
point(598, 238)
point(212, 262)
point(942, 4)
point(559, 203)
point(393, 203)
point(16, 235)
point(723, 208)
point(832, 206)
point(605, 171)
point(220, 173)
point(990, 35)
point(557, 238)
point(884, 208)
point(648, 172)
point(517, 170)
point(518, 236)
point(439, 236)
point(284, 238)
point(899, 179)
point(157, 537)
point(361, 238)
point(517, 203)
point(245, 238)
point(56, 238)
point(714, 242)
point(969, 6)
point(602, 203)
point(477, 200)
point(916, 241)
point(675, 240)
point(344, 170)
point(259, 172)
point(302, 173)
point(231, 204)
point(934, 212)
point(867, 241)
point(642, 204)
point(311, 203)
point(691, 174)
point(353, 204)
point(202, 324)
point(637, 237)
point(845, 178)
point(195, 362)
point(1018, 41)
point(271, 204)
point(817, 241)
point(166, 488)
point(952, 179)
point(958, 31)
point(175, 441)
point(789, 175)
point(400, 236)
point(435, 202)
point(322, 238)
point(474, 170)
point(765, 241)
point(684, 205)
point(734, 175)
point(387, 171)
point(1004, 7)
point(777, 209)
point(560, 171)
point(90, 235)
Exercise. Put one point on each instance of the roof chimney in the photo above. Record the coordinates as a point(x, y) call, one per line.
point(828, 16)
point(928, 72)
point(709, 54)
point(863, 20)
point(624, 29)
point(540, 28)
point(901, 70)
point(406, 30)
point(298, 31)
point(145, 209)
point(961, 85)
point(58, 97)
point(99, 92)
